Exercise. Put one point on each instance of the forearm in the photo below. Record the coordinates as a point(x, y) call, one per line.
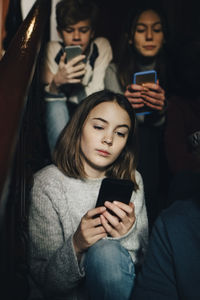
point(60, 274)
point(53, 87)
point(52, 258)
point(63, 272)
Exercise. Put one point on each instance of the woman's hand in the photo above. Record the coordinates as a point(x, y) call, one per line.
point(154, 96)
point(149, 94)
point(134, 94)
point(70, 72)
point(120, 224)
point(89, 231)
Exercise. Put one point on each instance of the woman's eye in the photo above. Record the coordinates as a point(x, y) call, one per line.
point(140, 30)
point(98, 127)
point(157, 30)
point(121, 134)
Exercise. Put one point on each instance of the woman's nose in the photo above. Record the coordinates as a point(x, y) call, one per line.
point(149, 34)
point(108, 139)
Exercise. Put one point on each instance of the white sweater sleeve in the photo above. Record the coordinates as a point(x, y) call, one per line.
point(105, 56)
point(52, 50)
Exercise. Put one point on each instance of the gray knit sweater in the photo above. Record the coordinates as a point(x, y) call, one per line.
point(57, 205)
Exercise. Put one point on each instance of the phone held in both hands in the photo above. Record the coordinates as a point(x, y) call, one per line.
point(144, 77)
point(72, 51)
point(115, 190)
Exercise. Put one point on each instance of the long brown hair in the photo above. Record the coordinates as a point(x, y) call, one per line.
point(126, 58)
point(67, 155)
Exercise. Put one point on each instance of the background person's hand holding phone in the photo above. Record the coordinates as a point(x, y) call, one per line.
point(71, 66)
point(115, 195)
point(145, 94)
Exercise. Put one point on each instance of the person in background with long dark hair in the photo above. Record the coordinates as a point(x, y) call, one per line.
point(143, 48)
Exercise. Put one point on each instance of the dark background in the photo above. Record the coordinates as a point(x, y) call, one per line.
point(182, 16)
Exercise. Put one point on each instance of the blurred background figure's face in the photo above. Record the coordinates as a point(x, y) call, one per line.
point(148, 37)
point(80, 33)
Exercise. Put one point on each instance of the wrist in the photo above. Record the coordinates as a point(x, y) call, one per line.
point(54, 87)
point(77, 250)
point(164, 108)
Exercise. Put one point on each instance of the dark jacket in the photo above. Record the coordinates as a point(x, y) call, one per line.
point(182, 134)
point(172, 266)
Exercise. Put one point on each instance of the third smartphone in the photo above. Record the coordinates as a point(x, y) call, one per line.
point(144, 77)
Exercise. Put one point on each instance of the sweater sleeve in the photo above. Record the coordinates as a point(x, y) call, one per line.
point(52, 50)
point(101, 63)
point(111, 80)
point(136, 239)
point(156, 280)
point(53, 262)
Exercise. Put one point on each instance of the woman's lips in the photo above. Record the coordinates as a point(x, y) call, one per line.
point(149, 47)
point(103, 152)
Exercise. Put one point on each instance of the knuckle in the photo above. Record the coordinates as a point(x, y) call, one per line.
point(123, 215)
point(118, 226)
point(87, 215)
point(100, 230)
point(109, 229)
point(81, 226)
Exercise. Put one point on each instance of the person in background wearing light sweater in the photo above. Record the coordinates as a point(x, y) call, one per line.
point(77, 251)
point(67, 83)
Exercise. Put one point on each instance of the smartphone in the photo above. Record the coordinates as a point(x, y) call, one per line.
point(115, 189)
point(144, 77)
point(72, 51)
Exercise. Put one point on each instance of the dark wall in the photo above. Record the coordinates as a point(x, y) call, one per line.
point(182, 16)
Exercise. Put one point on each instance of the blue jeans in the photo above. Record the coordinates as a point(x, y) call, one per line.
point(56, 117)
point(110, 271)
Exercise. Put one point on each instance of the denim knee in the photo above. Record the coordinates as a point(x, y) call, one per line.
point(56, 117)
point(109, 267)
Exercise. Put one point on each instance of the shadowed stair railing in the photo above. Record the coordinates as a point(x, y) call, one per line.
point(17, 69)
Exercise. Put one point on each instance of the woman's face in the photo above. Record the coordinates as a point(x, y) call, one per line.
point(104, 136)
point(80, 33)
point(148, 37)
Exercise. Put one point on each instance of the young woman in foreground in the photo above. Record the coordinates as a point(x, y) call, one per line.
point(74, 253)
